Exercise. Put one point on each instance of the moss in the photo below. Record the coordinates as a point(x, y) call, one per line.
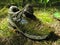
point(21, 40)
point(45, 17)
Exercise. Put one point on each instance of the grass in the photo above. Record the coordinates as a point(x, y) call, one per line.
point(5, 31)
point(9, 37)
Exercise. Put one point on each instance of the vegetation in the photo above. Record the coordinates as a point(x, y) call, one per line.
point(8, 36)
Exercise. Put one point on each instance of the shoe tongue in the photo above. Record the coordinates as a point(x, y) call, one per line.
point(24, 21)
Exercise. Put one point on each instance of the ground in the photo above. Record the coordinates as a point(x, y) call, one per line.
point(9, 37)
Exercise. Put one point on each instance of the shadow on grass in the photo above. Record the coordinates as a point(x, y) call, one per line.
point(51, 37)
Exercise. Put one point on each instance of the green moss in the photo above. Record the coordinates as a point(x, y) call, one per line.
point(19, 39)
point(45, 17)
point(35, 28)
